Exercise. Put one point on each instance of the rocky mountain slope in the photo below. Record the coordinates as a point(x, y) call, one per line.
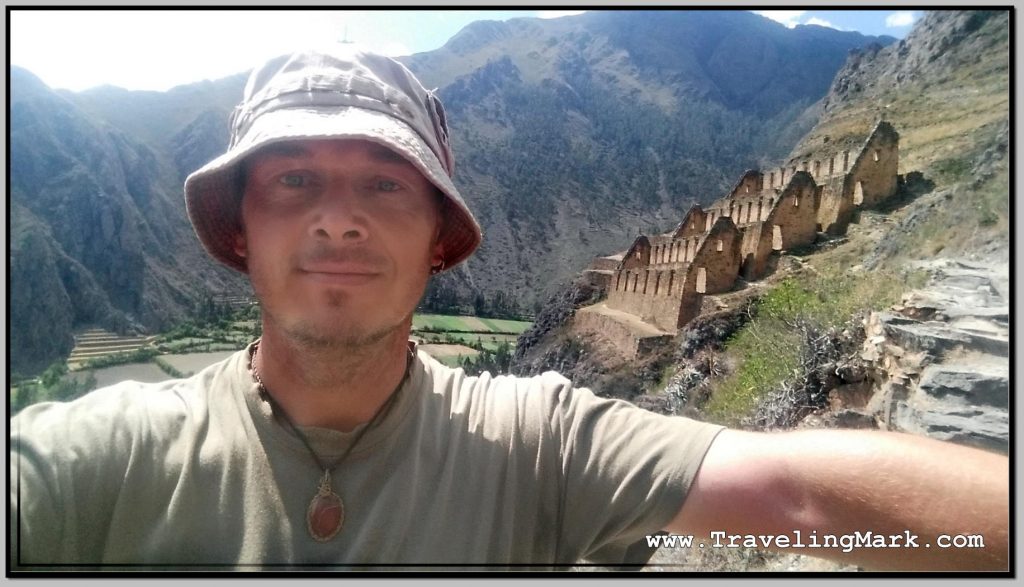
point(945, 88)
point(571, 134)
point(97, 229)
point(575, 133)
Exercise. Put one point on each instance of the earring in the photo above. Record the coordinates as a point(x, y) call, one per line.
point(435, 269)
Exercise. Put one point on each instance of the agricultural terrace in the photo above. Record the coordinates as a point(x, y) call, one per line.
point(102, 358)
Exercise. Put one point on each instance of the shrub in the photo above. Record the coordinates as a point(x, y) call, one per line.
point(771, 350)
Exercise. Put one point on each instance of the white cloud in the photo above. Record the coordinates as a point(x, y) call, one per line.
point(899, 19)
point(790, 18)
point(558, 13)
point(822, 22)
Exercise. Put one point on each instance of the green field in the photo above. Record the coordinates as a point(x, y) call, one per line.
point(191, 346)
point(483, 334)
point(500, 325)
point(441, 323)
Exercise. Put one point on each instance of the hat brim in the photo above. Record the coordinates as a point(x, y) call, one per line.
point(213, 193)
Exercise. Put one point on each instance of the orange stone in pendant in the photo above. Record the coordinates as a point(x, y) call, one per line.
point(325, 515)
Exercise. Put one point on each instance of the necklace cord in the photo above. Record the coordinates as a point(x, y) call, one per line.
point(265, 393)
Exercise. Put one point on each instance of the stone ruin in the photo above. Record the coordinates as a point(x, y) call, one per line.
point(661, 280)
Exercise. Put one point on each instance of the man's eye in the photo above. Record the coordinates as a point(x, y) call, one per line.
point(293, 180)
point(387, 185)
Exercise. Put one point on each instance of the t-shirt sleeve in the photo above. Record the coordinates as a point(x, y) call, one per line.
point(625, 471)
point(67, 461)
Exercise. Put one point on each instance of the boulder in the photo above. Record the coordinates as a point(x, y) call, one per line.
point(941, 358)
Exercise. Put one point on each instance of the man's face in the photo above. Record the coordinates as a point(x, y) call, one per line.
point(339, 237)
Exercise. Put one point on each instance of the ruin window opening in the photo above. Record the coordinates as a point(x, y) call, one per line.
point(719, 246)
point(831, 166)
point(846, 160)
point(796, 201)
point(817, 168)
point(858, 193)
point(877, 154)
point(657, 282)
point(647, 279)
point(702, 280)
point(671, 278)
point(618, 278)
point(776, 238)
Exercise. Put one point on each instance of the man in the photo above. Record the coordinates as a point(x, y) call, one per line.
point(332, 443)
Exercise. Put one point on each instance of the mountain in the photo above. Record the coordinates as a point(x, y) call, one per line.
point(570, 136)
point(573, 134)
point(946, 87)
point(917, 288)
point(98, 233)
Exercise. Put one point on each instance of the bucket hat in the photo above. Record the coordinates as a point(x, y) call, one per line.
point(343, 93)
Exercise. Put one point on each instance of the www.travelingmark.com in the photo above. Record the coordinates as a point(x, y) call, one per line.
point(798, 539)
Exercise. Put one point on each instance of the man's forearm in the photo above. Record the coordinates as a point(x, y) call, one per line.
point(847, 483)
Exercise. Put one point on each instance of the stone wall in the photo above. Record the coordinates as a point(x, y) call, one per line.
point(657, 292)
point(629, 342)
point(793, 220)
point(666, 250)
point(662, 278)
point(835, 209)
point(743, 210)
point(693, 224)
point(873, 176)
point(652, 294)
point(599, 279)
point(716, 265)
point(755, 251)
point(748, 185)
point(605, 264)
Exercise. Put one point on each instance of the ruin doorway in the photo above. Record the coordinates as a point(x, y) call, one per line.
point(858, 193)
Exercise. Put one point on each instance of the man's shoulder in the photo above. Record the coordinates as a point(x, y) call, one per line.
point(457, 383)
point(130, 404)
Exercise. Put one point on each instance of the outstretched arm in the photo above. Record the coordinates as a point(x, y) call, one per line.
point(839, 482)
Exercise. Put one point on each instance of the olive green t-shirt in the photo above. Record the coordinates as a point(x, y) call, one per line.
point(198, 473)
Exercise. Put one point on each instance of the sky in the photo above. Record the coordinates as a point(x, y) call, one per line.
point(160, 49)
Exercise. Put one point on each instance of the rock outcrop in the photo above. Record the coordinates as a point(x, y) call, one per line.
point(941, 357)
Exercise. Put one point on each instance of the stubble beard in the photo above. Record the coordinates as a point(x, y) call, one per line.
point(339, 333)
point(342, 330)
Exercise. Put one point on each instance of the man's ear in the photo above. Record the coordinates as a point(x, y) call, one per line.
point(241, 246)
point(436, 254)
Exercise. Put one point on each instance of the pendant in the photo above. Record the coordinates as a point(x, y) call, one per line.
point(326, 512)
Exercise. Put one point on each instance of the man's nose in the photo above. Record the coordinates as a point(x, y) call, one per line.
point(340, 215)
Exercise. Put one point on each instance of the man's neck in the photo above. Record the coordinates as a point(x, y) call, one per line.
point(338, 388)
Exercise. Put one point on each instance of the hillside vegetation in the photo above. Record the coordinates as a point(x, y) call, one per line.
point(945, 88)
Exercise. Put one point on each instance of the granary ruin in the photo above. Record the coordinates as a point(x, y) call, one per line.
point(662, 279)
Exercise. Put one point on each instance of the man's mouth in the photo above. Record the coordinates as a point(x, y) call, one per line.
point(340, 273)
